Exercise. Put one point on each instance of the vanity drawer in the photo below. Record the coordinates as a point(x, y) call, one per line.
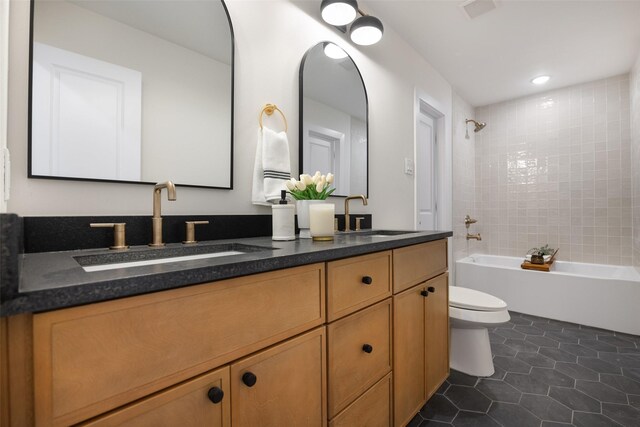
point(418, 263)
point(357, 282)
point(353, 368)
point(92, 359)
point(372, 409)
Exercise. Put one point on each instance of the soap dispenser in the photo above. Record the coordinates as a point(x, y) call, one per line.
point(283, 219)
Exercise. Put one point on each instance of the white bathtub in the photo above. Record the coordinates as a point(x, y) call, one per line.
point(604, 296)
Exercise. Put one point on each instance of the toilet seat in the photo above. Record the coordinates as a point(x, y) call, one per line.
point(470, 299)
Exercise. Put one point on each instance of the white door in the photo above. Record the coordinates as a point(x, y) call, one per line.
point(324, 152)
point(426, 173)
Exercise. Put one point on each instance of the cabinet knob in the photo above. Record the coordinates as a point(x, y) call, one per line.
point(367, 348)
point(249, 379)
point(424, 293)
point(431, 289)
point(367, 280)
point(215, 394)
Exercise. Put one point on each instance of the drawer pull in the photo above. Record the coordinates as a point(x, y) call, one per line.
point(249, 379)
point(215, 394)
point(367, 348)
point(367, 280)
point(431, 289)
point(424, 293)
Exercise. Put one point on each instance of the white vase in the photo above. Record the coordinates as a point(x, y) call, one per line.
point(302, 211)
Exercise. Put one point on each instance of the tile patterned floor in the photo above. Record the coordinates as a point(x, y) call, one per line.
point(548, 373)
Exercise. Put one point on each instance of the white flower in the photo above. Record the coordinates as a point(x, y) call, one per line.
point(330, 178)
point(316, 177)
point(301, 185)
point(321, 183)
point(306, 179)
point(290, 184)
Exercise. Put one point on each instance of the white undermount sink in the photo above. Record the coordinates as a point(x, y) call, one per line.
point(129, 259)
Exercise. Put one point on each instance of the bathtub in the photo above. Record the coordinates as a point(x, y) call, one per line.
point(603, 296)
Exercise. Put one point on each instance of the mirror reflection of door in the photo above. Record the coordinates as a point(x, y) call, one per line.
point(333, 128)
point(426, 173)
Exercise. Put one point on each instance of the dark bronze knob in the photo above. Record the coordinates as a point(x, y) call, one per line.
point(367, 348)
point(424, 293)
point(431, 289)
point(215, 394)
point(367, 280)
point(249, 379)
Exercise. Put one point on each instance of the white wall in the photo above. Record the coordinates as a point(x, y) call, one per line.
point(271, 37)
point(634, 95)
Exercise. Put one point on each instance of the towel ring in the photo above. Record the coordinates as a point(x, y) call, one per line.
point(269, 109)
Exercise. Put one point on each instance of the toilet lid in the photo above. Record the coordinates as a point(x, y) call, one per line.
point(474, 300)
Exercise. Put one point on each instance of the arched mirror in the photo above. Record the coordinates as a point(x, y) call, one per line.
point(333, 119)
point(132, 91)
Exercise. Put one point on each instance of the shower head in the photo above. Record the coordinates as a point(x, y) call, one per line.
point(478, 126)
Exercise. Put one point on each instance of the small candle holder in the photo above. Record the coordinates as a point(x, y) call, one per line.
point(321, 217)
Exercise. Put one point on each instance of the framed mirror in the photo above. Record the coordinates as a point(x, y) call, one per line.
point(132, 91)
point(334, 132)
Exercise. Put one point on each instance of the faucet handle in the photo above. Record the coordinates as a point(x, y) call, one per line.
point(358, 222)
point(191, 232)
point(119, 237)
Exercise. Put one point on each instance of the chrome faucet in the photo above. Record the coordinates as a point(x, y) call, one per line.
point(346, 209)
point(157, 216)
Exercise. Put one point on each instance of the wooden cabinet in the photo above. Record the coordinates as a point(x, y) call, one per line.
point(417, 263)
point(282, 386)
point(203, 401)
point(421, 345)
point(372, 409)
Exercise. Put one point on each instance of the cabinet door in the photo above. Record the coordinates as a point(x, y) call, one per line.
point(203, 401)
point(437, 332)
point(282, 386)
point(409, 354)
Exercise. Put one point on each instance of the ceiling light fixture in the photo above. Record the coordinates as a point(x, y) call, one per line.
point(540, 80)
point(364, 31)
point(334, 51)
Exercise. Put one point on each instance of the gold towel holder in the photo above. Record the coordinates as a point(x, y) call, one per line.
point(269, 109)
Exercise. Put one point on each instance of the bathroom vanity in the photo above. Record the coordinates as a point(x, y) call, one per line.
point(346, 333)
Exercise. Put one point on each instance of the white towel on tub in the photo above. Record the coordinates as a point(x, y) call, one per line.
point(272, 167)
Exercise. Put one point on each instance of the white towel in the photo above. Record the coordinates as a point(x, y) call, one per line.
point(272, 167)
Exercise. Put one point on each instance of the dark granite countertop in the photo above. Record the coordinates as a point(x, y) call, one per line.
point(53, 280)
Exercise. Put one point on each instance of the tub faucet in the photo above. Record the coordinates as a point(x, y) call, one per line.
point(157, 216)
point(346, 209)
point(476, 236)
point(468, 221)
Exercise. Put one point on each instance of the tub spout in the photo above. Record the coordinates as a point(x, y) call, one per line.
point(477, 236)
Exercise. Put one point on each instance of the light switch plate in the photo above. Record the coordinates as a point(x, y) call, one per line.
point(408, 166)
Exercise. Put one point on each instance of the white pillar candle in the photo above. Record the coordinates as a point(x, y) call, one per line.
point(321, 221)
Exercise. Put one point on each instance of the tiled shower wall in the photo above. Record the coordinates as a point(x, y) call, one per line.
point(463, 178)
point(634, 90)
point(555, 168)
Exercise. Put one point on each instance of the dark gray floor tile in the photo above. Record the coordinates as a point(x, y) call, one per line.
point(574, 399)
point(628, 350)
point(431, 423)
point(509, 333)
point(599, 345)
point(535, 359)
point(526, 383)
point(578, 350)
point(623, 360)
point(562, 323)
point(576, 371)
point(522, 345)
point(473, 419)
point(580, 333)
point(552, 377)
point(621, 383)
point(459, 378)
point(634, 338)
point(415, 421)
point(445, 385)
point(510, 364)
point(626, 415)
point(498, 391)
point(512, 414)
point(546, 408)
point(468, 398)
point(542, 341)
point(548, 326)
point(562, 337)
point(554, 424)
point(529, 330)
point(439, 408)
point(502, 350)
point(601, 392)
point(532, 317)
point(557, 354)
point(583, 419)
point(599, 365)
point(633, 373)
point(498, 374)
point(598, 331)
point(617, 341)
point(634, 400)
point(520, 321)
point(495, 338)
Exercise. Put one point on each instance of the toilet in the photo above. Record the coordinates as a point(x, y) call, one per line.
point(471, 312)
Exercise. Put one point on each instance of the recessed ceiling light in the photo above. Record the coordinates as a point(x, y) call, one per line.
point(334, 51)
point(540, 80)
